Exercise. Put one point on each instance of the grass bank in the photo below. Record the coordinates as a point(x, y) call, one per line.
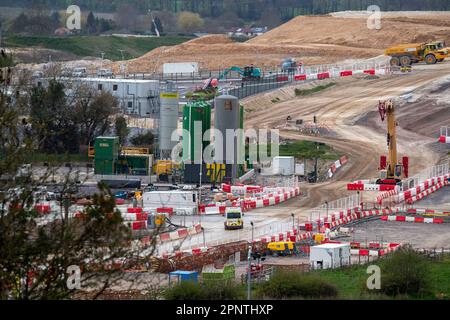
point(306, 92)
point(83, 46)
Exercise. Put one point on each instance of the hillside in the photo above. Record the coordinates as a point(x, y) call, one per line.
point(93, 46)
point(310, 39)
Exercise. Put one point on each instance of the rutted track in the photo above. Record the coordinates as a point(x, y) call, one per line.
point(340, 107)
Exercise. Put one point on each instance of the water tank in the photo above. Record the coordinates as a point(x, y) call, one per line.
point(193, 143)
point(228, 117)
point(168, 121)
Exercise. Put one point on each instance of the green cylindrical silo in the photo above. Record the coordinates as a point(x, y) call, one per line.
point(193, 143)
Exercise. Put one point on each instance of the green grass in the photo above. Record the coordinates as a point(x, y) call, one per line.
point(350, 282)
point(308, 150)
point(93, 45)
point(304, 150)
point(305, 92)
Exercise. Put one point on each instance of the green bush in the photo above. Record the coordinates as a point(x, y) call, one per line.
point(284, 285)
point(188, 290)
point(185, 290)
point(305, 92)
point(406, 272)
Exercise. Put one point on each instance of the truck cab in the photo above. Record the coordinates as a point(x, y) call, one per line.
point(233, 218)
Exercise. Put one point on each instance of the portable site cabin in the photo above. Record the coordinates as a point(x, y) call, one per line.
point(179, 201)
point(330, 255)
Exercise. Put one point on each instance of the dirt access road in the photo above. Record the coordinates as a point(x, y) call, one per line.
point(344, 108)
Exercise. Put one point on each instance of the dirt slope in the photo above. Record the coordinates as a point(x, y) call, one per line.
point(353, 32)
point(310, 39)
point(349, 109)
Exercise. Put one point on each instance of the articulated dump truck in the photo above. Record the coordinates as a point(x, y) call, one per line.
point(407, 54)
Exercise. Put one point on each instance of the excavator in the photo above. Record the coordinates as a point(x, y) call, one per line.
point(207, 91)
point(248, 73)
point(391, 171)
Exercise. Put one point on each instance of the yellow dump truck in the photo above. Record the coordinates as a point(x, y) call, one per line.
point(407, 54)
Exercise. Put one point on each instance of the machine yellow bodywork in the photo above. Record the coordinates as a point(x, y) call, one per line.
point(394, 169)
point(164, 167)
point(407, 54)
point(280, 246)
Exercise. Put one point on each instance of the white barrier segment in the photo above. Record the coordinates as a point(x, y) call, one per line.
point(428, 220)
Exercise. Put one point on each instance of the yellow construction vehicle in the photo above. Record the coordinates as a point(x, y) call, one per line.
point(441, 45)
point(164, 167)
point(281, 248)
point(407, 54)
point(391, 171)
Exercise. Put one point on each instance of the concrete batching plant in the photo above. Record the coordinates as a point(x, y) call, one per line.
point(168, 120)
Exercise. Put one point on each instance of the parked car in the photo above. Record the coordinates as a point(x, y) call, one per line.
point(105, 73)
point(79, 72)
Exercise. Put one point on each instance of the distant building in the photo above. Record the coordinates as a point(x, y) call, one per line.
point(136, 97)
point(62, 32)
point(247, 32)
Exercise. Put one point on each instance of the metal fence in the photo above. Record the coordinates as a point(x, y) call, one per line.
point(327, 208)
point(249, 88)
point(431, 172)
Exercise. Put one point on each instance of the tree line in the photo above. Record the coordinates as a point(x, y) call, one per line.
point(245, 9)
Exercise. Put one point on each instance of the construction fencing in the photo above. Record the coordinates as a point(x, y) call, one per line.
point(435, 171)
point(342, 204)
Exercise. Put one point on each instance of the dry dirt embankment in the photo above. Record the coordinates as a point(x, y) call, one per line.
point(310, 39)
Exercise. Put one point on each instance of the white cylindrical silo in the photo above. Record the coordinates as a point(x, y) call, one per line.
point(168, 120)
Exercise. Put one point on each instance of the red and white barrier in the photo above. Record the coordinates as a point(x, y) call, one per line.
point(339, 74)
point(180, 233)
point(373, 248)
point(387, 194)
point(427, 211)
point(413, 219)
point(404, 196)
point(426, 193)
point(336, 165)
point(370, 187)
point(272, 196)
point(42, 208)
point(444, 139)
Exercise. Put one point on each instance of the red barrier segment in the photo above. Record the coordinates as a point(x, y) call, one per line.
point(300, 77)
point(324, 75)
point(346, 73)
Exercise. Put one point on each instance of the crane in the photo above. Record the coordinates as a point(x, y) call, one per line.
point(391, 171)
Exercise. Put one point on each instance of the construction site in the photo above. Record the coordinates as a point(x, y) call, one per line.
point(377, 99)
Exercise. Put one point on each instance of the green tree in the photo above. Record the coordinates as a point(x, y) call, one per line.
point(56, 19)
point(36, 253)
point(158, 25)
point(91, 24)
point(121, 129)
point(6, 60)
point(189, 22)
point(143, 139)
point(92, 113)
point(52, 119)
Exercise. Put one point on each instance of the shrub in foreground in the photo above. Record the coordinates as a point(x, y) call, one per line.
point(406, 272)
point(285, 285)
point(188, 290)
